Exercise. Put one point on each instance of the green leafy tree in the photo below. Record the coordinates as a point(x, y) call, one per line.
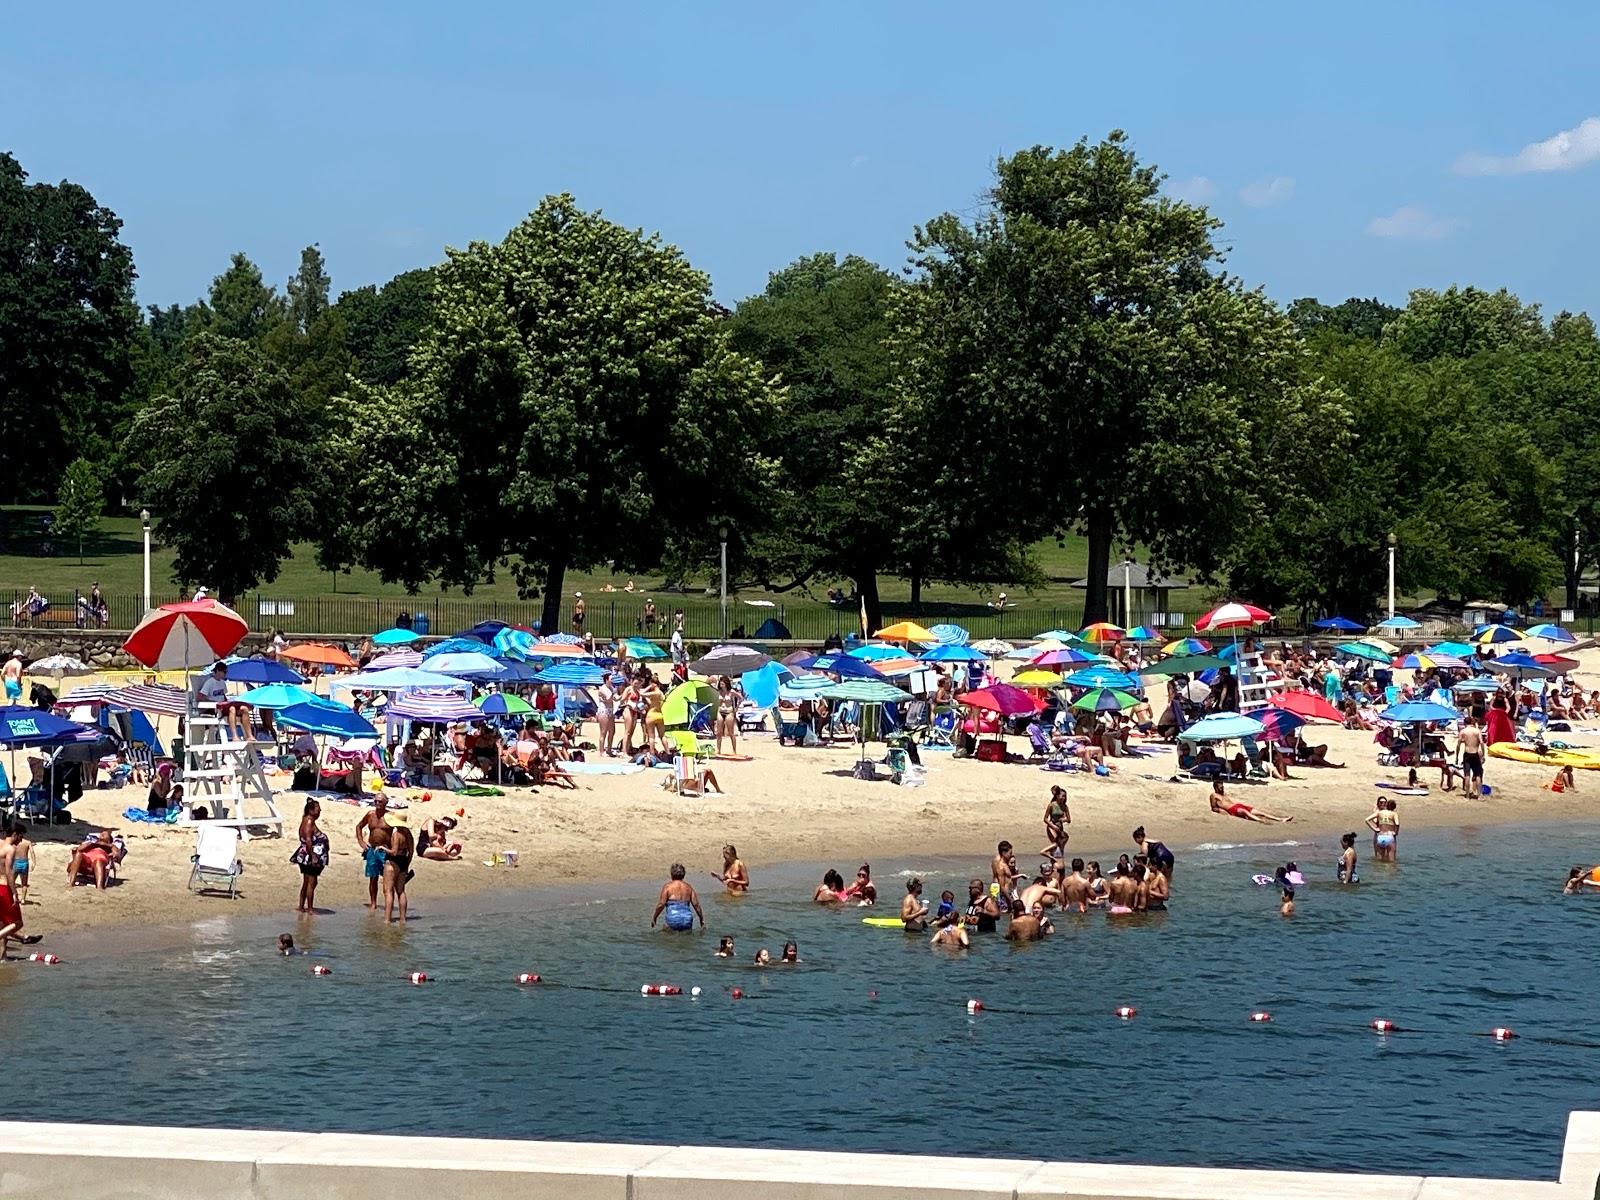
point(1083, 316)
point(235, 474)
point(1355, 318)
point(574, 400)
point(1461, 322)
point(67, 324)
point(384, 324)
point(308, 290)
point(79, 501)
point(242, 304)
point(310, 342)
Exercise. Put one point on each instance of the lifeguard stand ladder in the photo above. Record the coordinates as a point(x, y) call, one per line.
point(227, 776)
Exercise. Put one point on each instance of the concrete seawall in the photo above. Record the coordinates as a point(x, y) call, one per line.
point(122, 1162)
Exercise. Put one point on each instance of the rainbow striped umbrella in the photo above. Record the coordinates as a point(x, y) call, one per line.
point(1102, 631)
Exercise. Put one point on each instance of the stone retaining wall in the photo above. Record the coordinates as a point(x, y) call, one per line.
point(75, 1162)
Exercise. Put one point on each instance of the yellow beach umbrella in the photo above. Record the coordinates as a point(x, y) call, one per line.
point(1380, 643)
point(906, 631)
point(1035, 677)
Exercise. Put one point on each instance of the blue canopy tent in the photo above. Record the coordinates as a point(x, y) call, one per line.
point(773, 629)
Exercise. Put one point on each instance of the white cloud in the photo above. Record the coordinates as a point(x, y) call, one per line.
point(1264, 193)
point(1566, 151)
point(1413, 223)
point(1193, 191)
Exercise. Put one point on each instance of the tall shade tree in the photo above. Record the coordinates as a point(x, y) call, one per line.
point(1461, 322)
point(385, 324)
point(79, 500)
point(308, 290)
point(67, 322)
point(1083, 321)
point(242, 304)
point(574, 400)
point(234, 476)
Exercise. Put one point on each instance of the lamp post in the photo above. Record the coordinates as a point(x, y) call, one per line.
point(144, 520)
point(722, 536)
point(1127, 593)
point(1391, 576)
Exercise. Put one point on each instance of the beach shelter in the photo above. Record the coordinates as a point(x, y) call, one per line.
point(841, 665)
point(320, 654)
point(773, 630)
point(558, 638)
point(1035, 677)
point(1187, 646)
point(1308, 705)
point(59, 665)
point(1038, 647)
point(1102, 677)
point(395, 658)
point(1105, 700)
point(1143, 633)
point(483, 631)
point(730, 660)
point(1183, 664)
point(433, 709)
point(873, 652)
point(1365, 650)
point(1424, 662)
point(397, 679)
point(1516, 664)
point(454, 645)
point(869, 693)
point(687, 702)
point(394, 637)
point(506, 643)
point(1102, 631)
point(94, 693)
point(1342, 624)
point(1278, 723)
point(260, 670)
point(21, 726)
point(327, 717)
point(947, 634)
point(189, 634)
point(761, 687)
point(1065, 656)
point(571, 673)
point(160, 698)
point(556, 650)
point(994, 646)
point(1398, 622)
point(1453, 649)
point(906, 631)
point(953, 652)
point(1420, 713)
point(1065, 636)
point(641, 649)
point(1003, 698)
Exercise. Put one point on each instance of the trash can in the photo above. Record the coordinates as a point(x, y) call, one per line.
point(419, 624)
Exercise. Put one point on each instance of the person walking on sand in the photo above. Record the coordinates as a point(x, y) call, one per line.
point(311, 856)
point(735, 877)
point(679, 901)
point(727, 715)
point(12, 673)
point(372, 836)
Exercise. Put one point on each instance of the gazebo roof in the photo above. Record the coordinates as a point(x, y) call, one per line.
point(1138, 576)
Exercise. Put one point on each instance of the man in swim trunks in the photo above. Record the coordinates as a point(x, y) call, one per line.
point(1233, 808)
point(372, 836)
point(983, 911)
point(1038, 894)
point(1003, 866)
point(1470, 743)
point(10, 910)
point(1124, 887)
point(679, 902)
point(1157, 890)
point(1025, 927)
point(912, 910)
point(1155, 853)
point(13, 677)
point(1075, 889)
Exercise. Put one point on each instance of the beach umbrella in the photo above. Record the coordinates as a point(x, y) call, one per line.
point(189, 634)
point(1065, 636)
point(1184, 664)
point(1222, 727)
point(841, 665)
point(1067, 655)
point(1477, 684)
point(950, 635)
point(394, 637)
point(571, 674)
point(1453, 649)
point(1551, 633)
point(642, 649)
point(687, 701)
point(1232, 615)
point(1143, 633)
point(1102, 631)
point(1037, 648)
point(276, 696)
point(433, 709)
point(1515, 662)
point(906, 631)
point(1493, 635)
point(950, 652)
point(804, 687)
point(1398, 622)
point(455, 645)
point(59, 665)
point(20, 726)
point(397, 679)
point(319, 653)
point(483, 631)
point(1423, 662)
point(510, 643)
point(873, 652)
point(762, 687)
point(1559, 663)
point(1105, 700)
point(1364, 650)
point(327, 717)
point(1196, 691)
point(466, 666)
point(1278, 723)
point(733, 660)
point(1415, 712)
point(1102, 677)
point(395, 658)
point(1343, 624)
point(1035, 677)
point(1002, 698)
point(1187, 646)
point(503, 704)
point(260, 670)
point(562, 639)
point(94, 693)
point(160, 698)
point(994, 646)
point(1308, 705)
point(866, 691)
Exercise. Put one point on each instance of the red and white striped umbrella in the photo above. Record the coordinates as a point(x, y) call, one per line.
point(395, 658)
point(194, 633)
point(160, 698)
point(1232, 615)
point(433, 709)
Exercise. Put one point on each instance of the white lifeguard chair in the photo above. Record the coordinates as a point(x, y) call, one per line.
point(226, 775)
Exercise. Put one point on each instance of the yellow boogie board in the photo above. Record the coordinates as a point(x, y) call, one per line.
point(1580, 759)
point(884, 922)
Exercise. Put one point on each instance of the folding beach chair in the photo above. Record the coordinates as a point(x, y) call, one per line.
point(689, 745)
point(216, 861)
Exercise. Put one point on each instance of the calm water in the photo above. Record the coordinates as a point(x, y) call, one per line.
point(1467, 933)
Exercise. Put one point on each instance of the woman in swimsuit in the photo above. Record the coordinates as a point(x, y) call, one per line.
point(1385, 826)
point(1347, 859)
point(735, 876)
point(164, 793)
point(830, 890)
point(311, 856)
point(632, 711)
point(725, 948)
point(863, 890)
point(727, 715)
point(1221, 804)
point(432, 840)
point(655, 726)
point(397, 871)
point(605, 715)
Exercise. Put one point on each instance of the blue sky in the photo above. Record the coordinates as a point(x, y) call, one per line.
point(1358, 149)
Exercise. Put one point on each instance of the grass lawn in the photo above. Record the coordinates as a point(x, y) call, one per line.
point(359, 601)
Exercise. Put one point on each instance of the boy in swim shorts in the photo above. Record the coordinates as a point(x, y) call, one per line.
point(679, 901)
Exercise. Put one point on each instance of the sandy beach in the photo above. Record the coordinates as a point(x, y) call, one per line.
point(783, 804)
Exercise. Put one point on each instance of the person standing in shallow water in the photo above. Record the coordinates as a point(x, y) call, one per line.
point(735, 876)
point(679, 901)
point(1347, 859)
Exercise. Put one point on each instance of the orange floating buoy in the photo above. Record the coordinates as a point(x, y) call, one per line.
point(1260, 1016)
point(319, 969)
point(1127, 1012)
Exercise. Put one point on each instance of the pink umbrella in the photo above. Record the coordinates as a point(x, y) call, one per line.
point(1002, 698)
point(1232, 615)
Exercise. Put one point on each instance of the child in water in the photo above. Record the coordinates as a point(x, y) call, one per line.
point(725, 948)
point(1288, 903)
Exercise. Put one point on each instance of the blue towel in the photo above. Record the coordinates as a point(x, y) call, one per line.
point(143, 816)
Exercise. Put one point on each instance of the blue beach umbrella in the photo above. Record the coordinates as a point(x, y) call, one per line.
point(465, 666)
point(1363, 650)
point(500, 704)
point(394, 637)
point(841, 665)
point(1398, 622)
point(1222, 727)
point(572, 674)
point(950, 635)
point(641, 649)
point(1066, 637)
point(512, 643)
point(1343, 624)
point(1551, 633)
point(1515, 662)
point(953, 653)
point(516, 671)
point(21, 726)
point(482, 632)
point(277, 695)
point(454, 645)
point(875, 652)
point(327, 717)
point(1493, 635)
point(1412, 712)
point(260, 670)
point(1453, 649)
point(1103, 677)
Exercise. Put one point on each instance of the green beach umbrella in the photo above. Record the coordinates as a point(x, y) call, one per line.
point(866, 691)
point(504, 704)
point(1184, 664)
point(1364, 650)
point(1105, 700)
point(682, 701)
point(641, 649)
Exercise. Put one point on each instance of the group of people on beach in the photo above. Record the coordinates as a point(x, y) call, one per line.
point(388, 849)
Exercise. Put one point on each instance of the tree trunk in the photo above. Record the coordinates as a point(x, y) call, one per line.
point(916, 588)
point(1094, 598)
point(866, 579)
point(550, 618)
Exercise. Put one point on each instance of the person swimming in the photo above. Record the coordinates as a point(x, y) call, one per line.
point(831, 889)
point(1581, 880)
point(946, 912)
point(286, 944)
point(1287, 909)
point(791, 953)
point(954, 935)
point(763, 957)
point(725, 948)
